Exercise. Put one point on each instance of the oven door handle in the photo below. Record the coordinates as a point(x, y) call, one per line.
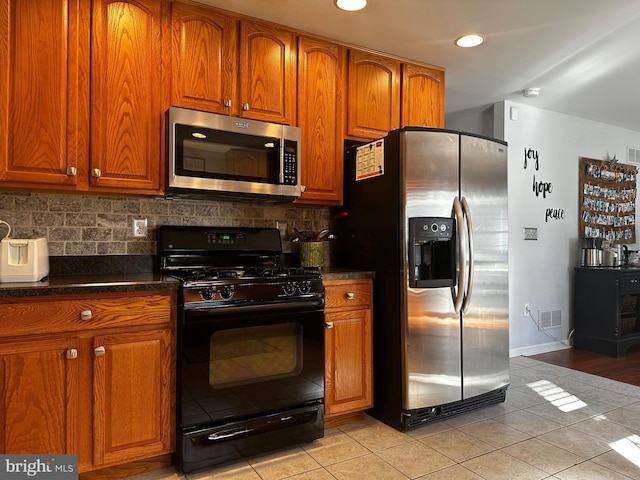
point(284, 306)
point(262, 425)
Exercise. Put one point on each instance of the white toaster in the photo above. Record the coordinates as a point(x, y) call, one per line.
point(23, 260)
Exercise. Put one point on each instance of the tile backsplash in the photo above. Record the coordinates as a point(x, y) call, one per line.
point(102, 225)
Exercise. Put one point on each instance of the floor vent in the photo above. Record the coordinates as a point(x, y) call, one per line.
point(633, 155)
point(549, 319)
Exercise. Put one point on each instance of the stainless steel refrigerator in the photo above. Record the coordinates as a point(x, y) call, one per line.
point(426, 209)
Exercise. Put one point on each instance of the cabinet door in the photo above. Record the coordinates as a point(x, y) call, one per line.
point(422, 96)
point(267, 73)
point(321, 112)
point(126, 107)
point(374, 95)
point(132, 396)
point(38, 397)
point(348, 373)
point(204, 57)
point(44, 93)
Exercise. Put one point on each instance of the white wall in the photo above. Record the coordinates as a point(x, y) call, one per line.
point(541, 271)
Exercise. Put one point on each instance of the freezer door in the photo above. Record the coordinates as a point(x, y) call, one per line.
point(431, 328)
point(485, 325)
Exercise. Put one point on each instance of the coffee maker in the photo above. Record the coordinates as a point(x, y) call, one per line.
point(591, 254)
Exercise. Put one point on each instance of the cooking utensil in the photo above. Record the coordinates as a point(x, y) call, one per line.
point(322, 234)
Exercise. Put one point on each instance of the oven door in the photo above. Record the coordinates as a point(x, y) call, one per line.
point(250, 379)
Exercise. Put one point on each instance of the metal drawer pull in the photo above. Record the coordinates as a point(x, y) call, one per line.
point(72, 353)
point(96, 172)
point(86, 315)
point(633, 280)
point(99, 351)
point(72, 171)
point(328, 324)
point(227, 102)
point(350, 295)
point(245, 107)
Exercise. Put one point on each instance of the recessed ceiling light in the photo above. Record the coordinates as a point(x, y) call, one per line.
point(351, 5)
point(472, 40)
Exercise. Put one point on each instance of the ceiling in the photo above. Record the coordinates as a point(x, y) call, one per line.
point(584, 55)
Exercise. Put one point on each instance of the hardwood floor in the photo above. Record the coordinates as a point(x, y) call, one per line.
point(624, 369)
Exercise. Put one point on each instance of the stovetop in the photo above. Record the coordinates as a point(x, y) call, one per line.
point(225, 266)
point(205, 275)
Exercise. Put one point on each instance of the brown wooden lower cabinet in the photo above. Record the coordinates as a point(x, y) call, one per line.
point(348, 350)
point(93, 376)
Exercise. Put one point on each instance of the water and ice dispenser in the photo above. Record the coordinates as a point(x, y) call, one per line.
point(432, 252)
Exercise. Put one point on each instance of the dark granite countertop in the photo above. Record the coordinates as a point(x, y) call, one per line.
point(333, 273)
point(79, 284)
point(72, 275)
point(126, 273)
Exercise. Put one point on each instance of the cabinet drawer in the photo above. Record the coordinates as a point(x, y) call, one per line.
point(630, 283)
point(348, 294)
point(40, 315)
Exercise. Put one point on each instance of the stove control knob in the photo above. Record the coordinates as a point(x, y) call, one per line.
point(207, 294)
point(227, 292)
point(305, 287)
point(289, 288)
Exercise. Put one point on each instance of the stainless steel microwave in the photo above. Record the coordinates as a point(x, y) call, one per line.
point(229, 157)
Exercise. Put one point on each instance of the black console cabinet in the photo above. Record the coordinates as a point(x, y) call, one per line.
point(606, 306)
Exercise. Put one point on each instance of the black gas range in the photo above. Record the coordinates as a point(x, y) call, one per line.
point(231, 267)
point(250, 344)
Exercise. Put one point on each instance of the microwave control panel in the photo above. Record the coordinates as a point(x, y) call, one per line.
point(290, 163)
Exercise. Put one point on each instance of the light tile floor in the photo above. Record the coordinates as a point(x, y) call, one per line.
point(556, 423)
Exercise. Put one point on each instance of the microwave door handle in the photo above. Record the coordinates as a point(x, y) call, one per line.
point(281, 157)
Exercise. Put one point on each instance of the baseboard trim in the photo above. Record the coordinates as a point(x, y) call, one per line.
point(536, 349)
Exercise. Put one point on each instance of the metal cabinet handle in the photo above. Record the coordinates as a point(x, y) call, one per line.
point(72, 171)
point(71, 354)
point(86, 315)
point(96, 172)
point(350, 295)
point(328, 324)
point(633, 280)
point(99, 351)
point(245, 106)
point(227, 102)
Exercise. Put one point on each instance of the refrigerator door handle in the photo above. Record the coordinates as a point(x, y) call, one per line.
point(459, 294)
point(469, 287)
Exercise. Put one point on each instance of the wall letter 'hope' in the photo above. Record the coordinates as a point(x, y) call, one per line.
point(542, 187)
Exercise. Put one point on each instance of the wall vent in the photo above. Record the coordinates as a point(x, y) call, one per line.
point(633, 155)
point(549, 319)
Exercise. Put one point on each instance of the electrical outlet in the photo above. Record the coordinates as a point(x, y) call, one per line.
point(140, 227)
point(527, 310)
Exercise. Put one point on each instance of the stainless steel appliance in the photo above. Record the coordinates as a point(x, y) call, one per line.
point(236, 158)
point(250, 345)
point(427, 210)
point(591, 253)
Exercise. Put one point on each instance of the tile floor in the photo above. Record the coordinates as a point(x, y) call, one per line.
point(556, 423)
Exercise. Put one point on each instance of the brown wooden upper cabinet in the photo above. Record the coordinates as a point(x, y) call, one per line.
point(422, 96)
point(373, 95)
point(203, 58)
point(64, 60)
point(267, 73)
point(126, 103)
point(321, 114)
point(225, 65)
point(44, 93)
